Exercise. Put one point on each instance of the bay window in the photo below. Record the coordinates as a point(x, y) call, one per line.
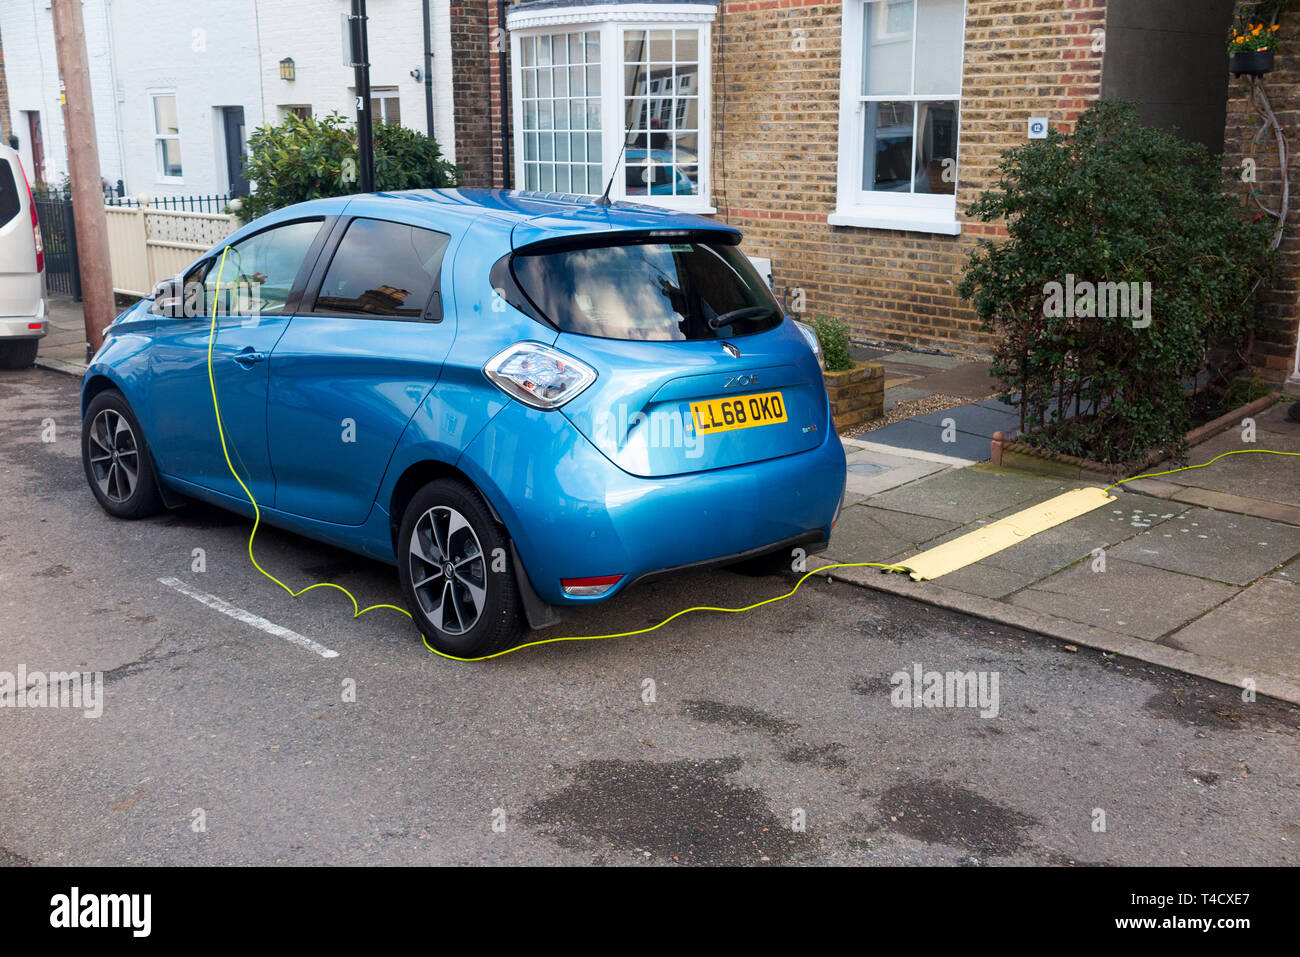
point(900, 108)
point(618, 85)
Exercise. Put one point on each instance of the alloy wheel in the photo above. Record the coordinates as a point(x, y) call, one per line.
point(448, 570)
point(114, 456)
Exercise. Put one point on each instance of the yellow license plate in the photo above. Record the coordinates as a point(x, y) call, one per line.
point(737, 412)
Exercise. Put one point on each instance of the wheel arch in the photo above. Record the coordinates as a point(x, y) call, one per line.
point(94, 385)
point(420, 474)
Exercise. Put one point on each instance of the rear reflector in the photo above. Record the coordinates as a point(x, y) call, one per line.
point(35, 325)
point(589, 586)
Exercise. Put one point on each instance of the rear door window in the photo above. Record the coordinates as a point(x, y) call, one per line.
point(385, 269)
point(10, 202)
point(654, 291)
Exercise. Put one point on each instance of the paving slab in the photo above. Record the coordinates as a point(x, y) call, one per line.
point(1272, 478)
point(961, 496)
point(971, 379)
point(866, 534)
point(1000, 406)
point(1215, 545)
point(1289, 572)
point(922, 437)
point(923, 359)
point(873, 472)
point(1049, 551)
point(1256, 629)
point(902, 393)
point(975, 419)
point(983, 578)
point(1127, 598)
point(867, 353)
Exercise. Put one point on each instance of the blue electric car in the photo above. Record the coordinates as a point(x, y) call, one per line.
point(523, 401)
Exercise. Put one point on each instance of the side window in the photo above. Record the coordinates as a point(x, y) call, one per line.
point(10, 201)
point(385, 269)
point(260, 271)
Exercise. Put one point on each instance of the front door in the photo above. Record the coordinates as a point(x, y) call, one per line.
point(233, 120)
point(354, 365)
point(258, 286)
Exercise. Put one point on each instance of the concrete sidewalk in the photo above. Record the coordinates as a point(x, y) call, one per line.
point(1178, 581)
point(64, 347)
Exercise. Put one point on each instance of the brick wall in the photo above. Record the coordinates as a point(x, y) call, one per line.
point(471, 59)
point(1280, 307)
point(775, 142)
point(4, 99)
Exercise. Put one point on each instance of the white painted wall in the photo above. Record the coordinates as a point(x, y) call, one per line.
point(212, 53)
point(311, 33)
point(31, 72)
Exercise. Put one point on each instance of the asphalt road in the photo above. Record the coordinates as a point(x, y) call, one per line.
point(552, 755)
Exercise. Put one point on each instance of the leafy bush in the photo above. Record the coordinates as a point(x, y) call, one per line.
point(1116, 203)
point(833, 334)
point(309, 157)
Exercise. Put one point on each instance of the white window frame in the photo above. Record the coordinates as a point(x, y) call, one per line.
point(386, 93)
point(611, 21)
point(855, 206)
point(160, 176)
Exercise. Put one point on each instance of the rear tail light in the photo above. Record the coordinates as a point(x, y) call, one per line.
point(538, 375)
point(36, 223)
point(811, 335)
point(589, 586)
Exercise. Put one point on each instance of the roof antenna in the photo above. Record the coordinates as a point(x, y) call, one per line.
point(604, 197)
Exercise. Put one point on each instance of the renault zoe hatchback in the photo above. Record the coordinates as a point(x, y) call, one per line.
point(524, 402)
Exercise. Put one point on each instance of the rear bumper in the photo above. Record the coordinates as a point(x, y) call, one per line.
point(21, 327)
point(573, 514)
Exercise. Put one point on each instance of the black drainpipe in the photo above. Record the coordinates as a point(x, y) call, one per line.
point(505, 104)
point(428, 71)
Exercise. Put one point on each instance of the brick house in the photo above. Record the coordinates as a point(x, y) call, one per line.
point(846, 138)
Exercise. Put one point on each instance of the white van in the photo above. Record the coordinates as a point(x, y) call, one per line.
point(22, 267)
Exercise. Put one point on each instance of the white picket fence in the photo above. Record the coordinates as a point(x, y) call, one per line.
point(148, 245)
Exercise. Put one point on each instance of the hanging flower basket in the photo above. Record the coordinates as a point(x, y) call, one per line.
point(1251, 63)
point(1250, 49)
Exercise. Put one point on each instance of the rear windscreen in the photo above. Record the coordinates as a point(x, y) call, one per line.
point(10, 204)
point(656, 291)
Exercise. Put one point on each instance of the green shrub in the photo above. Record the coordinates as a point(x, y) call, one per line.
point(307, 158)
point(833, 334)
point(1116, 203)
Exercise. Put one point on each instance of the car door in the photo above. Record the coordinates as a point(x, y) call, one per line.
point(254, 292)
point(357, 360)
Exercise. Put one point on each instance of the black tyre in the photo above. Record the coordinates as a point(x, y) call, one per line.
point(447, 549)
point(17, 353)
point(116, 458)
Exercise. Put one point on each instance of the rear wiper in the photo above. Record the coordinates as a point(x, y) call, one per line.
point(727, 318)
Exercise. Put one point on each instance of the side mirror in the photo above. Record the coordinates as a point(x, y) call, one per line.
point(169, 298)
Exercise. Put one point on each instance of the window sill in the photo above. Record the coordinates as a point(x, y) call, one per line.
point(912, 222)
point(696, 209)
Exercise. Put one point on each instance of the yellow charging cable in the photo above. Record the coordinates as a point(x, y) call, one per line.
point(358, 611)
point(1188, 468)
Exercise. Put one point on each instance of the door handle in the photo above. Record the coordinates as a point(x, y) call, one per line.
point(248, 356)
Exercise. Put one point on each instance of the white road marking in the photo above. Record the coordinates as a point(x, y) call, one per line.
point(248, 618)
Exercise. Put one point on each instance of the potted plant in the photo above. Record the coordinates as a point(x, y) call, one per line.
point(1250, 51)
point(855, 389)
